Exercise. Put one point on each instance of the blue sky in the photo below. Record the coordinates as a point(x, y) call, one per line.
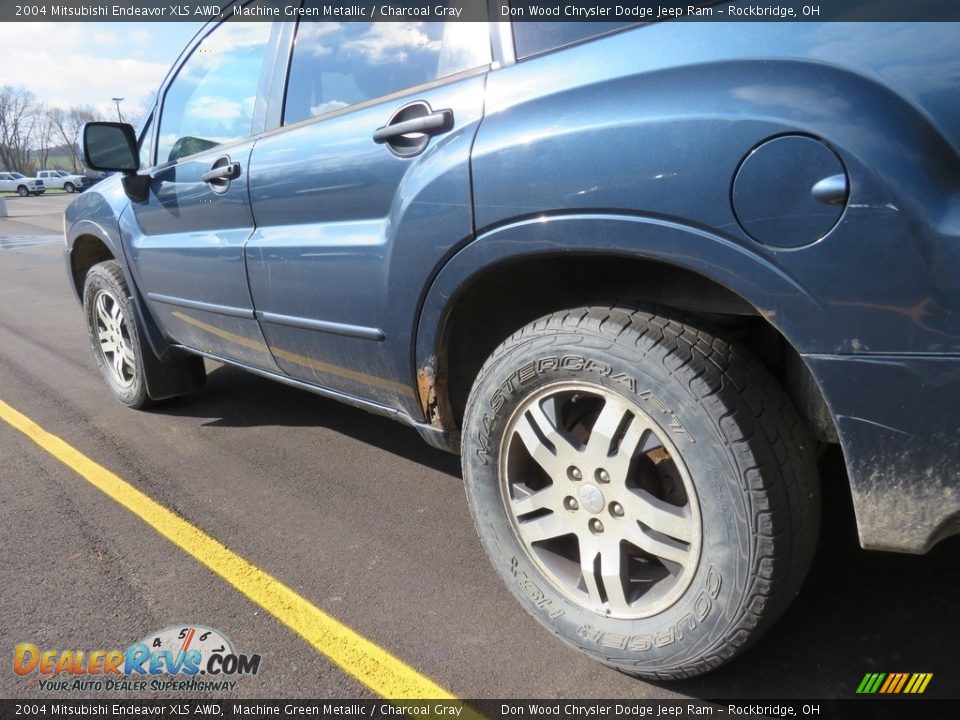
point(89, 63)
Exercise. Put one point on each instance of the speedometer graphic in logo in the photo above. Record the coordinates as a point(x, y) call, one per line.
point(188, 650)
point(184, 638)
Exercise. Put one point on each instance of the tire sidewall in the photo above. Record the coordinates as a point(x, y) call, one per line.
point(106, 276)
point(697, 623)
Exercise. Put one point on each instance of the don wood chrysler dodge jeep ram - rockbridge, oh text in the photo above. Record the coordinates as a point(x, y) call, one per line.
point(638, 276)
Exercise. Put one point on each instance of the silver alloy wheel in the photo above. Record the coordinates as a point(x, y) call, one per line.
point(600, 499)
point(113, 335)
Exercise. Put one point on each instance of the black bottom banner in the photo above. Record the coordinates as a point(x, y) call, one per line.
point(493, 709)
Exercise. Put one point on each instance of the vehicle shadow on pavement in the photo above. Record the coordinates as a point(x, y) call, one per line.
point(236, 398)
point(859, 611)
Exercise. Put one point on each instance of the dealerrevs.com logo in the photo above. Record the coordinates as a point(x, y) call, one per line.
point(172, 659)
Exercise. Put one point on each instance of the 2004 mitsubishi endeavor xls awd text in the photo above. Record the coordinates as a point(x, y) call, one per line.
point(636, 275)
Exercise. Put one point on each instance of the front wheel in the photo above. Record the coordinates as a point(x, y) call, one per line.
point(68, 187)
point(113, 333)
point(645, 488)
point(22, 191)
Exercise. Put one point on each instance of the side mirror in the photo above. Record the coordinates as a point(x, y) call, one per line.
point(110, 146)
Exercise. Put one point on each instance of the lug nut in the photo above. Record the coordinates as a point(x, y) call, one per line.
point(574, 473)
point(603, 476)
point(570, 503)
point(596, 527)
point(616, 509)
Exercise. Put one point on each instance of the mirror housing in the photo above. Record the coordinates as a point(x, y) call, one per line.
point(110, 146)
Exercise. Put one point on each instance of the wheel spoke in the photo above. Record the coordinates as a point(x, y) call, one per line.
point(550, 498)
point(667, 519)
point(588, 569)
point(102, 312)
point(605, 428)
point(116, 313)
point(107, 345)
point(534, 424)
point(658, 545)
point(128, 358)
point(638, 437)
point(117, 361)
point(544, 527)
point(611, 570)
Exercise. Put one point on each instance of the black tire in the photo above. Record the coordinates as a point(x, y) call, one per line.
point(22, 191)
point(107, 278)
point(68, 187)
point(746, 453)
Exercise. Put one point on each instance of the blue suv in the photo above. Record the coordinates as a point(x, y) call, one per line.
point(638, 275)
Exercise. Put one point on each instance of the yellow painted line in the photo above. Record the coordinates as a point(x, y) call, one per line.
point(383, 673)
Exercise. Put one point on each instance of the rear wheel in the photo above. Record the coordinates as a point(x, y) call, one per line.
point(644, 487)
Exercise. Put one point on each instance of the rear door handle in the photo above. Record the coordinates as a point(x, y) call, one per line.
point(432, 124)
point(227, 171)
point(409, 130)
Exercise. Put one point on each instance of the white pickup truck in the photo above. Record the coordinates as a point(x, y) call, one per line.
point(21, 184)
point(62, 180)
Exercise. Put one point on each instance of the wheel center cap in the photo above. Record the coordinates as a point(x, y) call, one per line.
point(591, 498)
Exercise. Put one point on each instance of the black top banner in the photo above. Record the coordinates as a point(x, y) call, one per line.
point(480, 10)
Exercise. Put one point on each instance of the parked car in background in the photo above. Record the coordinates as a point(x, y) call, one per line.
point(62, 180)
point(638, 277)
point(95, 176)
point(21, 184)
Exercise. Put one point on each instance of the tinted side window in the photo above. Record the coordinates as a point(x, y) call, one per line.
point(339, 64)
point(531, 38)
point(211, 100)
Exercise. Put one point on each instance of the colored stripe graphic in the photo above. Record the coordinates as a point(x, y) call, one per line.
point(894, 683)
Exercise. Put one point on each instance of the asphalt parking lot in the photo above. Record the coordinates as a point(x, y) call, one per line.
point(360, 518)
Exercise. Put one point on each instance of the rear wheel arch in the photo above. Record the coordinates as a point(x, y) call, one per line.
point(470, 329)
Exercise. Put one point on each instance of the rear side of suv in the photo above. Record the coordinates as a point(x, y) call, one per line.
point(637, 275)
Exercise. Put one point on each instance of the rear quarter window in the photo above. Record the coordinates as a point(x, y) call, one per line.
point(533, 38)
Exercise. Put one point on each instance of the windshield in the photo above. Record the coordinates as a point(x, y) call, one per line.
point(16, 176)
point(63, 173)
